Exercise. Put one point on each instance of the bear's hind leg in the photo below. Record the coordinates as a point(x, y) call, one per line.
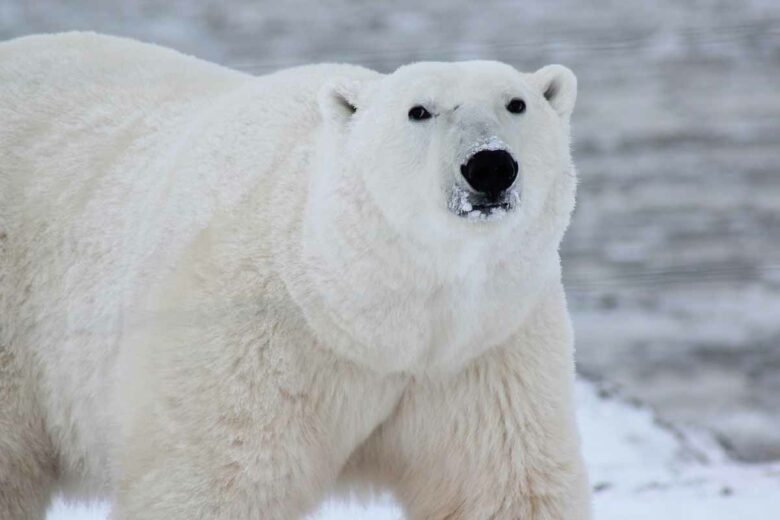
point(27, 461)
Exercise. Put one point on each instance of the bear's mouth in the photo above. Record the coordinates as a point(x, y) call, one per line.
point(489, 207)
point(474, 206)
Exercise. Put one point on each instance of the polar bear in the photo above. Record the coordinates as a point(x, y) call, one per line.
point(225, 296)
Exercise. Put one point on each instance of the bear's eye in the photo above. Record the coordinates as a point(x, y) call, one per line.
point(516, 106)
point(419, 113)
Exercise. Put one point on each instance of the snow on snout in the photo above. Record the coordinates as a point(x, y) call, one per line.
point(491, 142)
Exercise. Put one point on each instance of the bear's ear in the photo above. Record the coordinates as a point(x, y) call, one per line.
point(339, 99)
point(558, 85)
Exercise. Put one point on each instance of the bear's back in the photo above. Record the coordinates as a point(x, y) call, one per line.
point(64, 91)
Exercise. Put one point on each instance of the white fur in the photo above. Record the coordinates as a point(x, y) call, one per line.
point(223, 295)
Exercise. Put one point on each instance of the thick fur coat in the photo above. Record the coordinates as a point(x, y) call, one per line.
point(225, 296)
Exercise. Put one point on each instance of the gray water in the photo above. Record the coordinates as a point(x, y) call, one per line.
point(672, 263)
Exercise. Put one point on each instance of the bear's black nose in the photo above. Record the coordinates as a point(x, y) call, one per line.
point(490, 171)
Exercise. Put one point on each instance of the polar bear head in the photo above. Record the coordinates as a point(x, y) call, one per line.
point(457, 150)
point(441, 178)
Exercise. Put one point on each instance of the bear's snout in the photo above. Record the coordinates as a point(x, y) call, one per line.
point(490, 172)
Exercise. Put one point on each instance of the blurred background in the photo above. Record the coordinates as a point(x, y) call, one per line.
point(672, 263)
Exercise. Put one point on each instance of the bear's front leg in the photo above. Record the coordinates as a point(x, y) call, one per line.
point(254, 423)
point(497, 441)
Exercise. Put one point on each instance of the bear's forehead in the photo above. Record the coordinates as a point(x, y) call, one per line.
point(465, 77)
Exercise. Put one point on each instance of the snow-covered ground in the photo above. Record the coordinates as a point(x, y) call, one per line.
point(641, 469)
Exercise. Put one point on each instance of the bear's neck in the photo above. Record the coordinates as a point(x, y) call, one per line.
point(372, 298)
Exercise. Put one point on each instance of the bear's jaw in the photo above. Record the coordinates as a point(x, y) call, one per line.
point(479, 208)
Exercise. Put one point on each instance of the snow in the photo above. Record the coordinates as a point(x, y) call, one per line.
point(485, 143)
point(640, 469)
point(461, 203)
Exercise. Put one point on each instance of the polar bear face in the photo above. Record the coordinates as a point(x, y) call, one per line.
point(458, 150)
